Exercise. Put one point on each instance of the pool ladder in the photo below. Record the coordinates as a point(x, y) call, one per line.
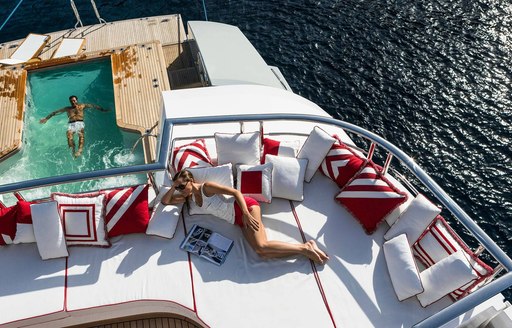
point(146, 134)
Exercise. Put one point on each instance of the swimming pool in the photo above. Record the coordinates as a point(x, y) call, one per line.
point(45, 151)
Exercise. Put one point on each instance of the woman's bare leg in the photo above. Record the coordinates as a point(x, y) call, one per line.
point(274, 249)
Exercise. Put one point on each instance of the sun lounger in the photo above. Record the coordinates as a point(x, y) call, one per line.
point(28, 49)
point(68, 47)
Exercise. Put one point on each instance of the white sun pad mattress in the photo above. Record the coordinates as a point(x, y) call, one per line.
point(136, 267)
point(30, 287)
point(356, 281)
point(262, 293)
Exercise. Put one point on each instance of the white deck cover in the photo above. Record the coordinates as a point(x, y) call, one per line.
point(229, 56)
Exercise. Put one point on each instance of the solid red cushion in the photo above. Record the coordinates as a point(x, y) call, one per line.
point(370, 197)
point(191, 155)
point(341, 164)
point(8, 224)
point(127, 210)
point(24, 214)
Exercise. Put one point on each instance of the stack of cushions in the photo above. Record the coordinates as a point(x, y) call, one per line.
point(272, 168)
point(7, 224)
point(438, 242)
point(86, 219)
point(451, 268)
point(24, 227)
point(269, 168)
point(16, 223)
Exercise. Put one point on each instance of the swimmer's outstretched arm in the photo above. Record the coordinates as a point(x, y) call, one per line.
point(101, 109)
point(58, 111)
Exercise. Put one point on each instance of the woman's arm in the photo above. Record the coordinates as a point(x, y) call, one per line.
point(171, 199)
point(211, 188)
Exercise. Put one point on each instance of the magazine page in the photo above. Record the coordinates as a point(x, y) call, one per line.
point(209, 245)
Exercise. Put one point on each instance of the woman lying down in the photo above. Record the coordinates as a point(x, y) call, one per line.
point(246, 212)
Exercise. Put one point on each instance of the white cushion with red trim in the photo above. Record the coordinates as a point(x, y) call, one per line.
point(7, 224)
point(393, 216)
point(287, 177)
point(191, 155)
point(24, 226)
point(314, 149)
point(239, 148)
point(341, 164)
point(414, 220)
point(439, 241)
point(127, 210)
point(402, 268)
point(255, 181)
point(48, 231)
point(370, 197)
point(285, 148)
point(444, 277)
point(164, 218)
point(83, 218)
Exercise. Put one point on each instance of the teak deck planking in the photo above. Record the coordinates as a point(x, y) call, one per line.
point(144, 52)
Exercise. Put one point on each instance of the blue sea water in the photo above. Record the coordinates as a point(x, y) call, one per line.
point(433, 77)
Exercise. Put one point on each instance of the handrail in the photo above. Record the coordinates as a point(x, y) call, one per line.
point(444, 316)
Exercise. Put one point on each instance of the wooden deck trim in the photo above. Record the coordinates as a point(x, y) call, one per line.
point(12, 107)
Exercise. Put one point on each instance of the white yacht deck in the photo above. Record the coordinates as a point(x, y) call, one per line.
point(147, 274)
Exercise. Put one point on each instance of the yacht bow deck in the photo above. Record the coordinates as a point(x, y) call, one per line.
point(145, 54)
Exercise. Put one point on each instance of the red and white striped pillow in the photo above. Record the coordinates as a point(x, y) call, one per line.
point(287, 148)
point(193, 154)
point(7, 224)
point(341, 164)
point(439, 241)
point(127, 210)
point(370, 197)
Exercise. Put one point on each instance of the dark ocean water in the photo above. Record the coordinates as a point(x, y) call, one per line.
point(433, 77)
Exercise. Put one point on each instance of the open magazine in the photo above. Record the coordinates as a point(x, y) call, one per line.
point(207, 244)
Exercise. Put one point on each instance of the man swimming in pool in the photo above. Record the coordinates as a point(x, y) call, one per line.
point(75, 122)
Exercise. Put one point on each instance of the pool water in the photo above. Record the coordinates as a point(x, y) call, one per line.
point(45, 150)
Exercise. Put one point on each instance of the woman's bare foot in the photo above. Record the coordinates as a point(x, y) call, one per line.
point(314, 253)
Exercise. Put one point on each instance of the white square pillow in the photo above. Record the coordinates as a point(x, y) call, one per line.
point(255, 181)
point(240, 148)
point(164, 218)
point(83, 218)
point(220, 174)
point(402, 267)
point(316, 146)
point(287, 177)
point(444, 277)
point(414, 220)
point(48, 230)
